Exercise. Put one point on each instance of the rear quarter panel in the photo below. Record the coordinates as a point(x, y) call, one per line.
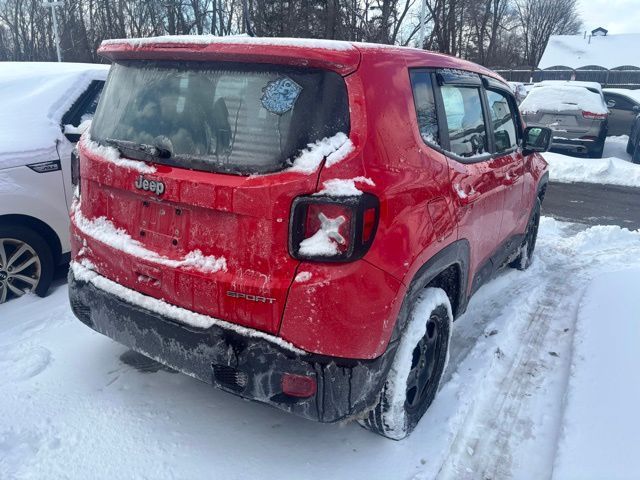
point(416, 217)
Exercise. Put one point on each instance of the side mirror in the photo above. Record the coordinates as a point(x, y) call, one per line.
point(611, 103)
point(636, 108)
point(503, 141)
point(536, 139)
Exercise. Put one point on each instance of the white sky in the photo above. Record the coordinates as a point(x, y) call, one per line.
point(617, 16)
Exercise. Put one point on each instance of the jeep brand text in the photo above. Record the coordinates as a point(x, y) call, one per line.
point(150, 185)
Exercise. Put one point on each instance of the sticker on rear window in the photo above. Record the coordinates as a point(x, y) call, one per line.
point(280, 95)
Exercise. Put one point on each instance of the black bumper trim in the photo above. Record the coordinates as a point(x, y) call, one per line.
point(346, 388)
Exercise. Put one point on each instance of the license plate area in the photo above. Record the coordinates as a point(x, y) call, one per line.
point(163, 225)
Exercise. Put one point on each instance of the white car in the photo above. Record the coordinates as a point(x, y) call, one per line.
point(45, 107)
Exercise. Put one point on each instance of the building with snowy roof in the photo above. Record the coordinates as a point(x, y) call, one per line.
point(611, 60)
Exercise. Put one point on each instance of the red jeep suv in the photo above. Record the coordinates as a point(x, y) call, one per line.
point(298, 222)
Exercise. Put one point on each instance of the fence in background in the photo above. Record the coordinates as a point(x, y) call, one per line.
point(623, 77)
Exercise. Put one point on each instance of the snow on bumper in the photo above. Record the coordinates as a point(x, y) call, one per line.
point(250, 366)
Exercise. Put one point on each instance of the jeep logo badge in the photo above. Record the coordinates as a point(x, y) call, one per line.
point(149, 185)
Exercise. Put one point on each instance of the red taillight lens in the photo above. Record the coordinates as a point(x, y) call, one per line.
point(594, 116)
point(299, 386)
point(330, 224)
point(369, 221)
point(333, 229)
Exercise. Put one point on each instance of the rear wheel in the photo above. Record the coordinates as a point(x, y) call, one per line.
point(414, 376)
point(26, 263)
point(525, 256)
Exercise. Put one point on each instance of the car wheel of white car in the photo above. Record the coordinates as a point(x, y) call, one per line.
point(26, 263)
point(414, 376)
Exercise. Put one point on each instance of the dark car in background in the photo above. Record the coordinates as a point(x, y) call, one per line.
point(624, 107)
point(576, 112)
point(633, 145)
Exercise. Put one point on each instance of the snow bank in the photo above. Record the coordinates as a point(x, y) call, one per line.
point(111, 154)
point(106, 232)
point(84, 272)
point(335, 149)
point(34, 97)
point(612, 171)
point(561, 97)
point(344, 187)
point(600, 429)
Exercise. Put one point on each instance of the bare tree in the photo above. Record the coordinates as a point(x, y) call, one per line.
point(539, 19)
point(491, 32)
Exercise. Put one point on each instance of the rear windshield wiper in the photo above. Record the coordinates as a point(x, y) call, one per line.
point(139, 151)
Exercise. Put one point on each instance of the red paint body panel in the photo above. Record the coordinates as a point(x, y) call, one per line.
point(427, 201)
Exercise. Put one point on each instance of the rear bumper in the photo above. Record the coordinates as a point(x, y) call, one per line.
point(246, 366)
point(576, 145)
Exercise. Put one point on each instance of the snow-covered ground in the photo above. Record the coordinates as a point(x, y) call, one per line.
point(614, 168)
point(521, 386)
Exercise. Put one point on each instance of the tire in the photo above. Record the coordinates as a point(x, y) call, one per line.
point(416, 371)
point(525, 255)
point(36, 254)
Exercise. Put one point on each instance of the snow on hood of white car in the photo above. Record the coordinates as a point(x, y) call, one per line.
point(34, 97)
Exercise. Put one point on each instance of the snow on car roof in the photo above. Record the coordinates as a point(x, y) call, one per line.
point(562, 97)
point(34, 97)
point(631, 94)
point(575, 51)
point(234, 40)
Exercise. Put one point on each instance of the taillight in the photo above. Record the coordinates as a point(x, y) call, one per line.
point(594, 116)
point(333, 229)
point(300, 386)
point(75, 167)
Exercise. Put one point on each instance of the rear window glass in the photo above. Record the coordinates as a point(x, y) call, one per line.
point(235, 118)
point(425, 104)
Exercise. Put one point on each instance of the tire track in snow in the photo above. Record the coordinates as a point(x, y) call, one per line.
point(500, 423)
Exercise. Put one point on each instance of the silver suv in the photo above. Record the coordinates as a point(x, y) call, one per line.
point(575, 111)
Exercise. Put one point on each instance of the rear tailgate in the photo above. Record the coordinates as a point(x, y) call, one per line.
point(569, 124)
point(212, 243)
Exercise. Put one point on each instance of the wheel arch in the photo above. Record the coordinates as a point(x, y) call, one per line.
point(40, 227)
point(542, 186)
point(448, 269)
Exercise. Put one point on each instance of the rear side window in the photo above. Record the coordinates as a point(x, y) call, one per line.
point(465, 121)
point(224, 117)
point(621, 102)
point(502, 118)
point(424, 100)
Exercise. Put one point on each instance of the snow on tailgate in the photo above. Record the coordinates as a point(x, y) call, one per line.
point(106, 232)
point(84, 271)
